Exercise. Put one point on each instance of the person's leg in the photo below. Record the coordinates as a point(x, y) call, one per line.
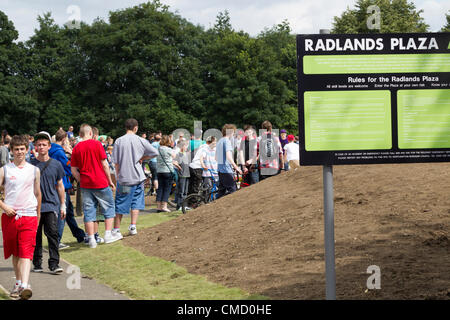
point(166, 186)
point(254, 176)
point(230, 183)
point(118, 203)
point(77, 232)
point(24, 266)
point(26, 241)
point(107, 208)
point(118, 220)
point(152, 166)
point(90, 214)
point(159, 192)
point(89, 225)
point(134, 216)
point(79, 200)
point(37, 256)
point(109, 224)
point(186, 188)
point(105, 200)
point(60, 226)
point(192, 180)
point(51, 232)
point(137, 202)
point(199, 178)
point(221, 188)
point(15, 263)
point(181, 186)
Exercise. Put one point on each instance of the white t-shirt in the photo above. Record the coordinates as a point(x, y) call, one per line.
point(19, 188)
point(292, 151)
point(195, 164)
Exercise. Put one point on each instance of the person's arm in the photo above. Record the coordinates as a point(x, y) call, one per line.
point(230, 160)
point(105, 166)
point(75, 173)
point(60, 155)
point(62, 198)
point(8, 210)
point(150, 151)
point(38, 194)
point(116, 168)
point(242, 159)
point(176, 164)
point(203, 163)
point(2, 157)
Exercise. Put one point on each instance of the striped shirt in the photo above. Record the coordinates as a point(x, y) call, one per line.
point(209, 159)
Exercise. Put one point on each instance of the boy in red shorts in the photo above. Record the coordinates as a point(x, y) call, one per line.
point(21, 213)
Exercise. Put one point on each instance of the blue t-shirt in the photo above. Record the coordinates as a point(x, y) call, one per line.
point(223, 146)
point(155, 145)
point(49, 179)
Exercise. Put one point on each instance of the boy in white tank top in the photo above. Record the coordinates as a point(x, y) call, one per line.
point(21, 213)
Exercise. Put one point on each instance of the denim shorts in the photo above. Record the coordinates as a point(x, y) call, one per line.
point(129, 198)
point(101, 197)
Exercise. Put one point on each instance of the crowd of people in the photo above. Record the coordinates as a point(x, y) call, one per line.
point(37, 174)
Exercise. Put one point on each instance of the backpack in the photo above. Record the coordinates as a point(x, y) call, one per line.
point(269, 146)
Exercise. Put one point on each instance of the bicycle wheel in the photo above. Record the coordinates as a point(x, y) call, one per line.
point(192, 201)
point(171, 201)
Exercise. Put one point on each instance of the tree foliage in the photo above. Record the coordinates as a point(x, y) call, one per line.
point(152, 64)
point(397, 16)
point(446, 28)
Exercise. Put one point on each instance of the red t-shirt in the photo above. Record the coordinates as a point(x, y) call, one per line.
point(87, 156)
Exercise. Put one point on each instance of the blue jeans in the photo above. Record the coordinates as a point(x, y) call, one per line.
point(164, 186)
point(98, 197)
point(252, 177)
point(78, 233)
point(182, 190)
point(226, 184)
point(129, 198)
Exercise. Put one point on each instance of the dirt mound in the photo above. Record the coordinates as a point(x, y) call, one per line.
point(268, 238)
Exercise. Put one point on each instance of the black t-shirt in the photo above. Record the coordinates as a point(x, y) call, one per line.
point(52, 174)
point(249, 149)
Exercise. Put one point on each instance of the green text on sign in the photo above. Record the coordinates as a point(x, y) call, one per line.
point(347, 120)
point(376, 63)
point(423, 119)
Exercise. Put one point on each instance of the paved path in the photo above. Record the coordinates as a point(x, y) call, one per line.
point(47, 286)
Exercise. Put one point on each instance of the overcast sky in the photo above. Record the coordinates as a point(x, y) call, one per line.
point(304, 16)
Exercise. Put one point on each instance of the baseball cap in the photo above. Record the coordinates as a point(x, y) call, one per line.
point(43, 135)
point(291, 137)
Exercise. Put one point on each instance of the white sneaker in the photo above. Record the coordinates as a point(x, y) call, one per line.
point(25, 293)
point(117, 232)
point(92, 243)
point(132, 230)
point(113, 237)
point(15, 292)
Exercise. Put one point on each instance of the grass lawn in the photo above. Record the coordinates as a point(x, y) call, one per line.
point(3, 296)
point(140, 276)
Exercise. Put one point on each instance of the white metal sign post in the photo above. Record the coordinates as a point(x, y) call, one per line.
point(328, 205)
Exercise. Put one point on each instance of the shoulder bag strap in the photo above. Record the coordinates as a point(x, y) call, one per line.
point(45, 167)
point(159, 150)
